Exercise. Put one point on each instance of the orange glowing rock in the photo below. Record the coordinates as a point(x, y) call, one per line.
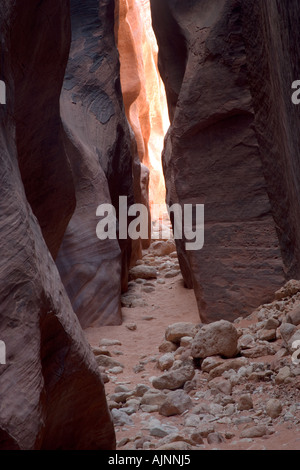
point(143, 91)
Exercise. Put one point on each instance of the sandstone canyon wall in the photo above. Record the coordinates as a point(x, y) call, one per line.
point(101, 151)
point(142, 88)
point(233, 144)
point(51, 392)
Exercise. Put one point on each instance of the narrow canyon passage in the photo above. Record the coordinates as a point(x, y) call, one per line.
point(143, 90)
point(112, 341)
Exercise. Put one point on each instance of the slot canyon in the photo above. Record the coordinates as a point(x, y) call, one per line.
point(137, 342)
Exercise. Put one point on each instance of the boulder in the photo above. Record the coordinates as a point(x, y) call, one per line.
point(293, 316)
point(176, 331)
point(174, 379)
point(218, 338)
point(143, 272)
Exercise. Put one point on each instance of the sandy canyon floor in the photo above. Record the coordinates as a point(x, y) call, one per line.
point(227, 413)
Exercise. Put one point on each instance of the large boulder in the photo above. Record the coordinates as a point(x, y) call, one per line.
point(218, 338)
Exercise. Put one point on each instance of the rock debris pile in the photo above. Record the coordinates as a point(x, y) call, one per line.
point(217, 385)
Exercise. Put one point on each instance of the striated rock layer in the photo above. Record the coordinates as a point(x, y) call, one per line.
point(100, 149)
point(51, 392)
point(233, 144)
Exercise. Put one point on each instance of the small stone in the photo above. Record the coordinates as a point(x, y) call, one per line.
point(121, 388)
point(141, 389)
point(267, 335)
point(186, 341)
point(286, 331)
point(133, 403)
point(104, 377)
point(148, 289)
point(221, 385)
point(293, 316)
point(123, 442)
point(229, 409)
point(109, 342)
point(103, 350)
point(107, 362)
point(192, 421)
point(254, 431)
point(162, 248)
point(180, 445)
point(246, 341)
point(149, 408)
point(234, 364)
point(259, 350)
point(272, 324)
point(116, 370)
point(176, 331)
point(172, 273)
point(131, 326)
point(120, 418)
point(215, 438)
point(153, 397)
point(148, 318)
point(139, 443)
point(166, 361)
point(120, 397)
point(245, 402)
point(158, 431)
point(138, 368)
point(274, 408)
point(292, 345)
point(174, 379)
point(242, 420)
point(288, 290)
point(196, 437)
point(176, 403)
point(283, 374)
point(210, 363)
point(167, 346)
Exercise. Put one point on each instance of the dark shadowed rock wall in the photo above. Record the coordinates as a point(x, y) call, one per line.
point(51, 392)
point(233, 144)
point(100, 151)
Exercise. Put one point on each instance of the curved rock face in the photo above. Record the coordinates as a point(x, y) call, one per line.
point(100, 151)
point(233, 144)
point(51, 392)
point(37, 99)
